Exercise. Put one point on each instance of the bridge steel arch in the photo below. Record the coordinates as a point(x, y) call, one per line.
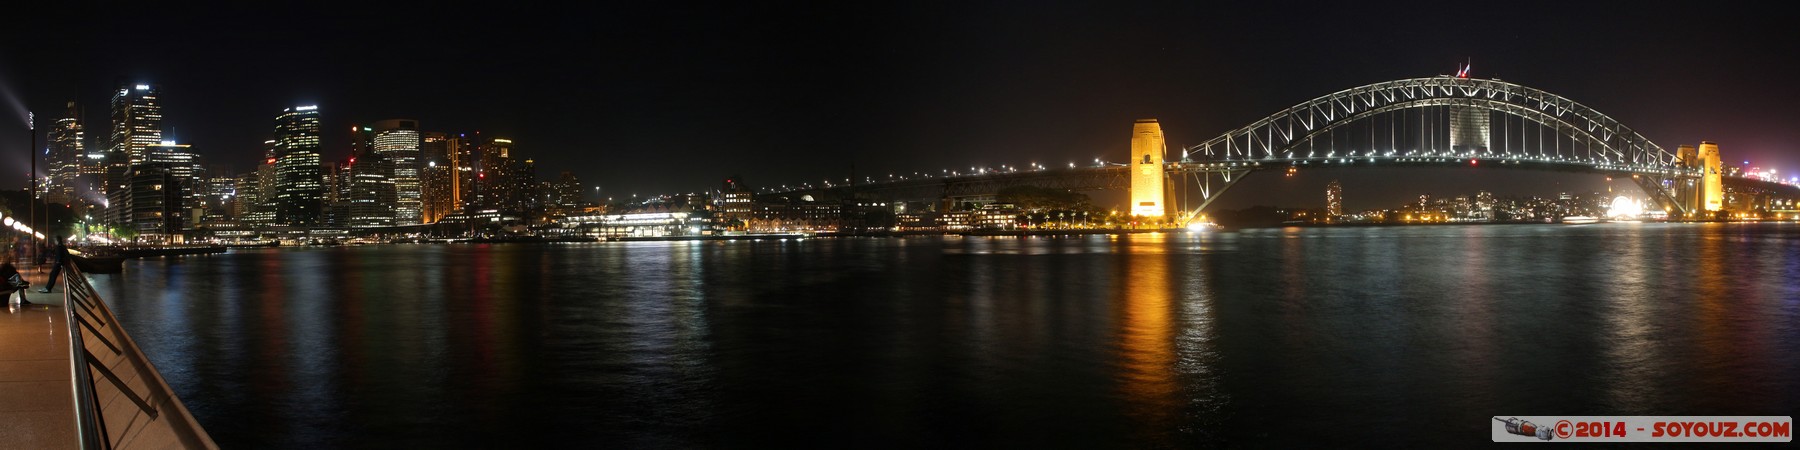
point(1268, 138)
point(1272, 142)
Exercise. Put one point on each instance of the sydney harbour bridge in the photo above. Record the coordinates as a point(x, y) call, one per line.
point(1443, 121)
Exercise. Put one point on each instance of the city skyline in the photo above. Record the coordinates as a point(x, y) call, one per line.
point(157, 186)
point(976, 224)
point(784, 96)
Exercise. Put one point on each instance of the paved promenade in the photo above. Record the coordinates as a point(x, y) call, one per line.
point(36, 401)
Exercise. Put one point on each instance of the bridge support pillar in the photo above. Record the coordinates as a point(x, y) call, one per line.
point(1712, 182)
point(1148, 192)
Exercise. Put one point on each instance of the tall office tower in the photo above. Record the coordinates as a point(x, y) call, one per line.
point(247, 201)
point(136, 125)
point(369, 194)
point(465, 168)
point(335, 208)
point(221, 195)
point(67, 152)
point(256, 192)
point(262, 187)
point(184, 168)
point(90, 183)
point(436, 184)
point(433, 146)
point(523, 185)
point(1147, 188)
point(335, 191)
point(494, 173)
point(151, 201)
point(362, 142)
point(137, 121)
point(735, 203)
point(566, 191)
point(299, 178)
point(114, 166)
point(1468, 128)
point(1334, 200)
point(180, 157)
point(398, 141)
point(547, 196)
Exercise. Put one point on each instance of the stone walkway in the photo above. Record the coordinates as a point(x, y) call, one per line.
point(36, 397)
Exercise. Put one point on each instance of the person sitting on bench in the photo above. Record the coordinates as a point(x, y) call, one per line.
point(11, 280)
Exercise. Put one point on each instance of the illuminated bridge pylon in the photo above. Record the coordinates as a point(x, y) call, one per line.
point(1408, 123)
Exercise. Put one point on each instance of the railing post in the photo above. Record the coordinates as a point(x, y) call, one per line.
point(88, 432)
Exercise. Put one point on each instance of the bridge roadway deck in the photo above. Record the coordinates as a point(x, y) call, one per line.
point(36, 400)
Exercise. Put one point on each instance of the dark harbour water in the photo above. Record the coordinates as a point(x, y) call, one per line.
point(1382, 337)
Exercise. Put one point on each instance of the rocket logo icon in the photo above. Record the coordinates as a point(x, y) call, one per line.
point(1523, 428)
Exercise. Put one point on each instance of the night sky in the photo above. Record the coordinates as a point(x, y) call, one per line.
point(661, 97)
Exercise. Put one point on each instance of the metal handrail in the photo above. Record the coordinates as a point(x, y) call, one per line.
point(87, 420)
point(85, 310)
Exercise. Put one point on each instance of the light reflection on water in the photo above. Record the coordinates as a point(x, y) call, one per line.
point(1275, 337)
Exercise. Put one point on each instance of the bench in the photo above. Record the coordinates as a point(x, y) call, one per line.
point(7, 289)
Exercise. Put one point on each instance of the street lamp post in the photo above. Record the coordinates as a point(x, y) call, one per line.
point(31, 205)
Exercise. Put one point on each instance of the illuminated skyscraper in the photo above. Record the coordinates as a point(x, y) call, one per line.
point(1147, 190)
point(365, 181)
point(183, 168)
point(137, 122)
point(464, 164)
point(299, 178)
point(180, 158)
point(369, 192)
point(256, 195)
point(256, 191)
point(493, 187)
point(67, 153)
point(525, 189)
point(220, 195)
point(151, 203)
point(362, 144)
point(566, 191)
point(736, 204)
point(136, 125)
point(1334, 200)
point(437, 196)
point(398, 141)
